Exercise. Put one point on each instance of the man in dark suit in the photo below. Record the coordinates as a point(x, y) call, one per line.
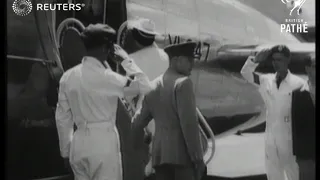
point(311, 72)
point(303, 125)
point(176, 152)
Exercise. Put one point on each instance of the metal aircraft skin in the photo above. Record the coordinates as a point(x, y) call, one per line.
point(279, 11)
point(227, 32)
point(220, 26)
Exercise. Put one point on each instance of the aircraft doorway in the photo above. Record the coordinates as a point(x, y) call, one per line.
point(111, 12)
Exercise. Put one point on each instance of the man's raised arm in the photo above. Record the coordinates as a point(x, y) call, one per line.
point(140, 83)
point(248, 70)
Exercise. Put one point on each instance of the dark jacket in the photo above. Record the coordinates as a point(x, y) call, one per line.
point(303, 125)
point(172, 106)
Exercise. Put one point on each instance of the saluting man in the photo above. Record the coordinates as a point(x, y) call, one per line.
point(176, 149)
point(276, 90)
point(88, 97)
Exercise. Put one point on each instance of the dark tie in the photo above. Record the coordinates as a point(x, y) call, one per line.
point(278, 81)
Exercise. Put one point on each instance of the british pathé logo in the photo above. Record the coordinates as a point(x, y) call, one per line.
point(22, 7)
point(294, 25)
point(294, 5)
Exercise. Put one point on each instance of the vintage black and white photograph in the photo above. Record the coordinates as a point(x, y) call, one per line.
point(160, 90)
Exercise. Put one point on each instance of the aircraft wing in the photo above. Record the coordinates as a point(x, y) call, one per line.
point(238, 156)
point(240, 50)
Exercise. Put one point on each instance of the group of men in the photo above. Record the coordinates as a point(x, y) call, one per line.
point(89, 92)
point(88, 97)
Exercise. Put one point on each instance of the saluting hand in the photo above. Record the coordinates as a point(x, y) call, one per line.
point(262, 55)
point(120, 54)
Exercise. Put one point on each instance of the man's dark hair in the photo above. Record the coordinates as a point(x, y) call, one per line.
point(282, 49)
point(93, 42)
point(97, 36)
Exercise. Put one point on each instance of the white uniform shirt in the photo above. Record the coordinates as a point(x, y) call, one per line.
point(278, 104)
point(89, 93)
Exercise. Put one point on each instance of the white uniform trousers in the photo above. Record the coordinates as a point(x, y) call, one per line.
point(280, 165)
point(95, 152)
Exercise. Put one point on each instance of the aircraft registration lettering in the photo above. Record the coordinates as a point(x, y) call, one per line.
point(201, 46)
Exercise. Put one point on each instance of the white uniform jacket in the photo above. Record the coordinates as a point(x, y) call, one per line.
point(89, 93)
point(278, 136)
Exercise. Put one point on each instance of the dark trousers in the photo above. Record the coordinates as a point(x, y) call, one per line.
point(307, 169)
point(33, 153)
point(174, 172)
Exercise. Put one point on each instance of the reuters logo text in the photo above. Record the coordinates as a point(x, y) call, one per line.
point(24, 7)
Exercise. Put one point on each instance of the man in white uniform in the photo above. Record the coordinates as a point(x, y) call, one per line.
point(88, 97)
point(276, 90)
